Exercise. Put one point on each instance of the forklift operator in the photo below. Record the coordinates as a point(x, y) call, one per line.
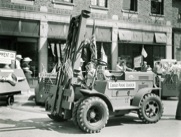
point(121, 66)
point(80, 77)
point(90, 68)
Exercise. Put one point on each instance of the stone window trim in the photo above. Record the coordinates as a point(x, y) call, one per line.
point(130, 11)
point(98, 7)
point(157, 15)
point(63, 3)
point(26, 2)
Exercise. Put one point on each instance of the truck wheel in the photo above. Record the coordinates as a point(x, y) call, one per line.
point(151, 108)
point(74, 111)
point(10, 100)
point(92, 115)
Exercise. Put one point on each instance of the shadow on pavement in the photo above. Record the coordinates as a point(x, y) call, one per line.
point(117, 121)
point(41, 124)
point(61, 127)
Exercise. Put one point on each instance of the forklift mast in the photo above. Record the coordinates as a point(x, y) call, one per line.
point(76, 35)
point(62, 95)
point(73, 49)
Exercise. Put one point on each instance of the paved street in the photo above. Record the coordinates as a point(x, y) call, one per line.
point(25, 119)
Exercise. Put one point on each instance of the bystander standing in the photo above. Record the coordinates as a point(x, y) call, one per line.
point(26, 68)
point(18, 60)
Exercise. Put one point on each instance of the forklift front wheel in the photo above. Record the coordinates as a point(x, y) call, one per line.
point(92, 115)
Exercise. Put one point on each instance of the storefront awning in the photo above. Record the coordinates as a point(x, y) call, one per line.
point(161, 38)
point(102, 34)
point(148, 37)
point(137, 36)
point(18, 27)
point(57, 30)
point(125, 35)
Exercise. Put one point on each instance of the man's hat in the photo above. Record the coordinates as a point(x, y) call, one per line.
point(19, 56)
point(27, 59)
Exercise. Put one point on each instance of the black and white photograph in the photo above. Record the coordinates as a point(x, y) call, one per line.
point(90, 68)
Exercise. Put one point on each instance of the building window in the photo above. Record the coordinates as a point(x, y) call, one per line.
point(61, 1)
point(130, 5)
point(100, 3)
point(157, 7)
point(63, 4)
point(28, 2)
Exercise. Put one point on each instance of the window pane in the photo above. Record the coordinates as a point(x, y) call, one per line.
point(126, 4)
point(93, 2)
point(133, 5)
point(157, 7)
point(67, 0)
point(130, 5)
point(102, 3)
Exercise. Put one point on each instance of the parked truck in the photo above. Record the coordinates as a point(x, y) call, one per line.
point(12, 80)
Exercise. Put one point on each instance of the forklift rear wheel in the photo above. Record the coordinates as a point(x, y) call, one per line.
point(92, 115)
point(74, 111)
point(151, 108)
point(56, 118)
point(10, 100)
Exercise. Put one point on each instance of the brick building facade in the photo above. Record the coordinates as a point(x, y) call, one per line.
point(123, 27)
point(176, 29)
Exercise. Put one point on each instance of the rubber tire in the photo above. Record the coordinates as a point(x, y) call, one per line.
point(56, 117)
point(159, 110)
point(74, 111)
point(37, 103)
point(102, 112)
point(10, 100)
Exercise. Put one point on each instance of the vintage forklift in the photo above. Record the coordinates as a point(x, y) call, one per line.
point(90, 106)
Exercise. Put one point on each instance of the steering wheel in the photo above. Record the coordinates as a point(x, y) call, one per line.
point(99, 62)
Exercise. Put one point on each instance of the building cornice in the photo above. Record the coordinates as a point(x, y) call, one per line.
point(46, 17)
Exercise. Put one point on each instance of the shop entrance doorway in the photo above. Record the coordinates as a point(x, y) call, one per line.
point(27, 47)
